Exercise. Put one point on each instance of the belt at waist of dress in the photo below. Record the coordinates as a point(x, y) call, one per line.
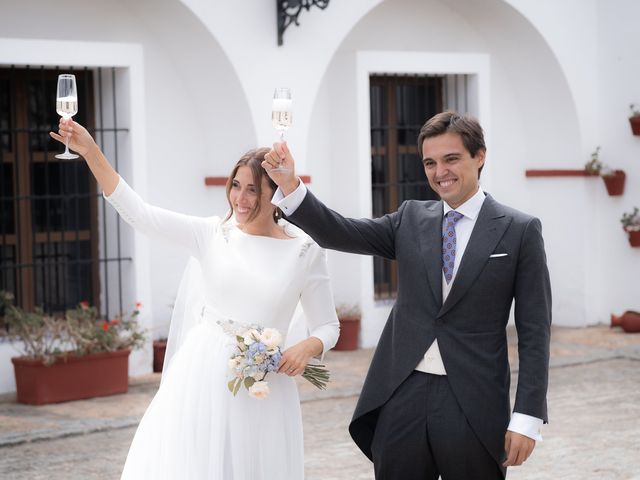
point(212, 315)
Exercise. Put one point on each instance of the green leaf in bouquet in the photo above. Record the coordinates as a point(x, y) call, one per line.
point(237, 387)
point(241, 345)
point(248, 382)
point(230, 384)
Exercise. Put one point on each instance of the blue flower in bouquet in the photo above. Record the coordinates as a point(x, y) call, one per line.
point(256, 348)
point(274, 361)
point(257, 354)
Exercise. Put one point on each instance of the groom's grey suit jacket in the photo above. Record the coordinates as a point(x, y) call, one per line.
point(470, 326)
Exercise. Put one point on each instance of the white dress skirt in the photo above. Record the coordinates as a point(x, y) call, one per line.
point(195, 428)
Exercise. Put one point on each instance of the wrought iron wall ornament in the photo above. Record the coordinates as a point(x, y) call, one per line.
point(288, 11)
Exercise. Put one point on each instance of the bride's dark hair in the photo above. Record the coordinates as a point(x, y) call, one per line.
point(253, 159)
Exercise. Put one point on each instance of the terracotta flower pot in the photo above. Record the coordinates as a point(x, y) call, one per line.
point(634, 237)
point(159, 349)
point(635, 124)
point(629, 321)
point(615, 182)
point(349, 333)
point(71, 377)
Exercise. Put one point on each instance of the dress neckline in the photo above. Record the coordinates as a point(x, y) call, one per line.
point(291, 237)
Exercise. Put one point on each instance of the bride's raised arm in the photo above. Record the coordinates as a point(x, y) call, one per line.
point(189, 231)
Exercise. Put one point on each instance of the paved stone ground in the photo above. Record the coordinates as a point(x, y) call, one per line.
point(594, 403)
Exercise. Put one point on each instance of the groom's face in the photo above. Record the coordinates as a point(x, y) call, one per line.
point(451, 170)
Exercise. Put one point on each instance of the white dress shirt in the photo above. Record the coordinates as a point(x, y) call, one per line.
point(432, 360)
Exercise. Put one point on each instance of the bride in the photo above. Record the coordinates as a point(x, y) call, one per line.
point(253, 269)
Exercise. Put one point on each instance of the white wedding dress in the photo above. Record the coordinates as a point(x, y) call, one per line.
point(195, 428)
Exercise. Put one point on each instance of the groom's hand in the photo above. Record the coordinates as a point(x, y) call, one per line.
point(285, 177)
point(517, 448)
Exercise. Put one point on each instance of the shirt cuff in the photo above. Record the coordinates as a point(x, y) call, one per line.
point(291, 202)
point(526, 425)
point(328, 335)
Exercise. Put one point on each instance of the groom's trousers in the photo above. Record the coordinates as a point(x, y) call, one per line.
point(422, 433)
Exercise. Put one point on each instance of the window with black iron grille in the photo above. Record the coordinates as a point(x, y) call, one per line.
point(49, 208)
point(399, 107)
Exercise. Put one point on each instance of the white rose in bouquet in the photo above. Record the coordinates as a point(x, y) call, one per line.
point(251, 336)
point(271, 338)
point(259, 390)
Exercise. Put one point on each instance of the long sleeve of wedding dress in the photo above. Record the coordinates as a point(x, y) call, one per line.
point(193, 233)
point(317, 300)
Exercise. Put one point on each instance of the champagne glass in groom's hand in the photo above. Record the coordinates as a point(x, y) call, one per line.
point(281, 114)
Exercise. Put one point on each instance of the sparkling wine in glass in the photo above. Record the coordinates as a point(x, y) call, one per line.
point(67, 106)
point(281, 114)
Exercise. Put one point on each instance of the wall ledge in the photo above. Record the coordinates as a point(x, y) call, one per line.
point(222, 181)
point(559, 173)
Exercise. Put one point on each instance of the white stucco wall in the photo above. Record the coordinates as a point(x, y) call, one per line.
point(560, 77)
point(524, 91)
point(618, 77)
point(187, 86)
point(594, 263)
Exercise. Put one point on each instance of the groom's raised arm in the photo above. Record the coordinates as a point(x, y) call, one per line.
point(331, 230)
point(327, 227)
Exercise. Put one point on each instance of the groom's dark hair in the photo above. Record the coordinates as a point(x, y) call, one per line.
point(466, 126)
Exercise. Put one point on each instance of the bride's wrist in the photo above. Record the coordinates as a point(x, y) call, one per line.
point(314, 347)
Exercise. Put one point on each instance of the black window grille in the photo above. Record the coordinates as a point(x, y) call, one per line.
point(50, 238)
point(400, 104)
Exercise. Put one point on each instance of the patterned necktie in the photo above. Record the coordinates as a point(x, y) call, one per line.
point(449, 243)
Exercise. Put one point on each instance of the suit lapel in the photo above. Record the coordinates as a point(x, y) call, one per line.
point(487, 232)
point(430, 242)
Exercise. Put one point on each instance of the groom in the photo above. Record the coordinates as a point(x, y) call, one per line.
point(436, 399)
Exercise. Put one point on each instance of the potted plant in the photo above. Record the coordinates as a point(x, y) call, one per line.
point(159, 349)
point(631, 225)
point(69, 357)
point(349, 317)
point(160, 344)
point(594, 166)
point(634, 119)
point(613, 179)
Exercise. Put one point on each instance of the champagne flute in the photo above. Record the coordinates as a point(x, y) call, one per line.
point(67, 107)
point(281, 115)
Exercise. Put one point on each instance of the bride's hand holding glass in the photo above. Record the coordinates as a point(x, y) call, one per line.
point(67, 106)
point(79, 139)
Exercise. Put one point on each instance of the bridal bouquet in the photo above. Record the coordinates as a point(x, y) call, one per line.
point(256, 353)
